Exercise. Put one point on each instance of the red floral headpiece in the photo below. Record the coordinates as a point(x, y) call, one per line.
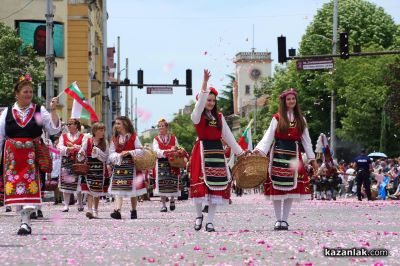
point(26, 77)
point(287, 92)
point(212, 90)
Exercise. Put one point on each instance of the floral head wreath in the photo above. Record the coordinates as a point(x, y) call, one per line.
point(26, 77)
point(162, 120)
point(287, 92)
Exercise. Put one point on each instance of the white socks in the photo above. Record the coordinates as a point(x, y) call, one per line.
point(26, 216)
point(282, 215)
point(287, 205)
point(67, 197)
point(199, 208)
point(278, 209)
point(212, 208)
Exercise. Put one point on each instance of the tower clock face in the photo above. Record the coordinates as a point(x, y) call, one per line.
point(255, 73)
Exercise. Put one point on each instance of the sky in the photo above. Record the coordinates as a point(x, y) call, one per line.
point(166, 37)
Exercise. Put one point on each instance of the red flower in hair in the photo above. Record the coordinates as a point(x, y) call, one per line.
point(212, 90)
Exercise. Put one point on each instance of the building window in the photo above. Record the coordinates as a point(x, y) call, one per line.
point(57, 82)
point(247, 89)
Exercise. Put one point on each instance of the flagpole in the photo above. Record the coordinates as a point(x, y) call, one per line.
point(249, 125)
point(61, 93)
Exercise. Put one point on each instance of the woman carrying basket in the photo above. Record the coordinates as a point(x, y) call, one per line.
point(167, 177)
point(284, 140)
point(94, 152)
point(21, 126)
point(69, 145)
point(210, 177)
point(126, 181)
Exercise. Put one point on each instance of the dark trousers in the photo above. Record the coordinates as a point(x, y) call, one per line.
point(363, 178)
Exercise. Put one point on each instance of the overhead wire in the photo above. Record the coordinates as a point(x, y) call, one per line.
point(19, 10)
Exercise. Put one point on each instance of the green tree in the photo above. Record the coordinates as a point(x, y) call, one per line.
point(13, 63)
point(182, 127)
point(225, 97)
point(358, 82)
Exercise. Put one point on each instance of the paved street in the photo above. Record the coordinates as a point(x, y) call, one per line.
point(244, 235)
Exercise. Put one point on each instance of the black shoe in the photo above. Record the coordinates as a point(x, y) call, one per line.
point(24, 230)
point(164, 209)
point(80, 209)
point(172, 205)
point(359, 199)
point(8, 209)
point(39, 214)
point(90, 215)
point(284, 225)
point(205, 209)
point(116, 215)
point(133, 214)
point(33, 215)
point(277, 226)
point(197, 227)
point(210, 227)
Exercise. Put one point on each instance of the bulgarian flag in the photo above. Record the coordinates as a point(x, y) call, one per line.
point(80, 107)
point(245, 140)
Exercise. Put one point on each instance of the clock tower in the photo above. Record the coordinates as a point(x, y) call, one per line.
point(250, 67)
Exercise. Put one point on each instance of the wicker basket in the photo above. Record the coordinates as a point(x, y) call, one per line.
point(179, 162)
point(80, 168)
point(250, 171)
point(146, 161)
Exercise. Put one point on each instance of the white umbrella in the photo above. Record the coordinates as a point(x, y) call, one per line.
point(377, 154)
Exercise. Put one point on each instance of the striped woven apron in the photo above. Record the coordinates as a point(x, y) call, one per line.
point(95, 176)
point(284, 164)
point(167, 183)
point(214, 164)
point(69, 182)
point(122, 179)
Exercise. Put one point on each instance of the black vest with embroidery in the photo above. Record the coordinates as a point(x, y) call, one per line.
point(30, 130)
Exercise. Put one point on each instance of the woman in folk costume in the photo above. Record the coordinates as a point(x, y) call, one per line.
point(94, 152)
point(284, 140)
point(21, 126)
point(69, 145)
point(126, 181)
point(210, 177)
point(167, 177)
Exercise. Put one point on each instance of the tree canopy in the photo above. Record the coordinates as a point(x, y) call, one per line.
point(14, 63)
point(362, 85)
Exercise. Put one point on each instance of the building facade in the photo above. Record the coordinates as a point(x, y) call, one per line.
point(78, 42)
point(250, 68)
point(30, 22)
point(85, 44)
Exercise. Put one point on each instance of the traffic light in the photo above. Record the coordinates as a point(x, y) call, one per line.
point(344, 45)
point(282, 49)
point(189, 90)
point(140, 78)
point(292, 52)
point(127, 81)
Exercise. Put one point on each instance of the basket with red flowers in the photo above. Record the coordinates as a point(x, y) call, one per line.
point(177, 157)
